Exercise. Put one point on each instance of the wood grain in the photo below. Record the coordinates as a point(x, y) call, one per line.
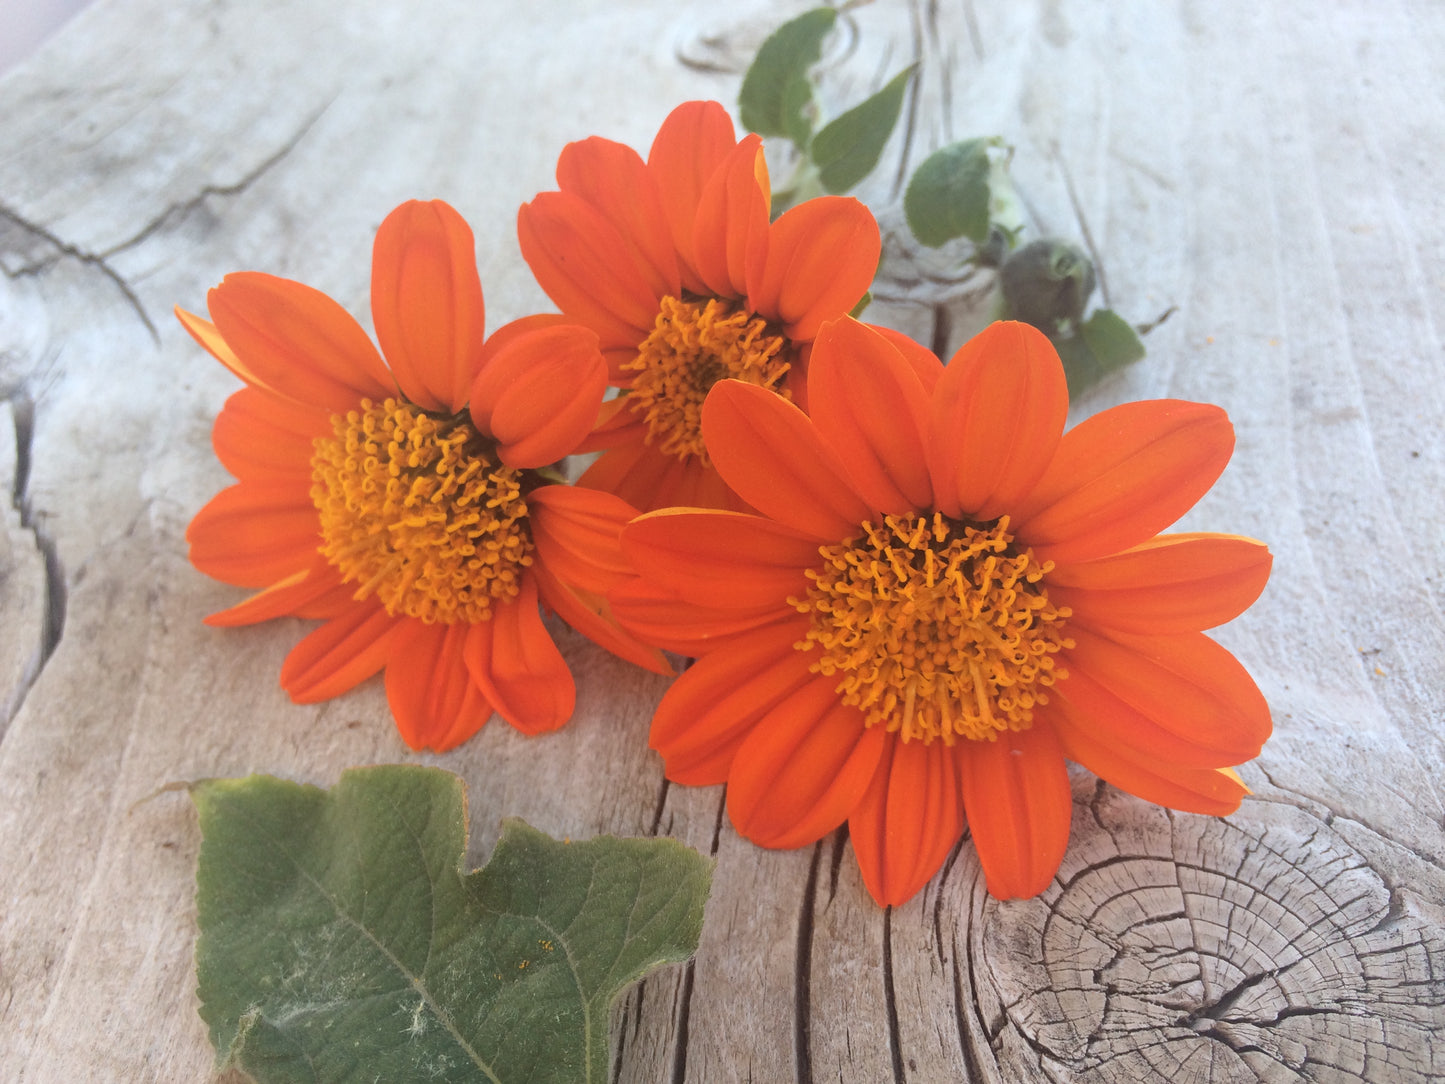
point(1265, 172)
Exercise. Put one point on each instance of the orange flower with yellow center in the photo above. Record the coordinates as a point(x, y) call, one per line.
point(406, 501)
point(674, 263)
point(942, 598)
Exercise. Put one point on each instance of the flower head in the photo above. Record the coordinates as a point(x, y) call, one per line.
point(674, 264)
point(942, 597)
point(402, 497)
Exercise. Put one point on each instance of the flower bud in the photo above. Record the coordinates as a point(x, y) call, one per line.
point(1047, 283)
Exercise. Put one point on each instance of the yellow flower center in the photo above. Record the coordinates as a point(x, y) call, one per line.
point(416, 511)
point(936, 628)
point(693, 345)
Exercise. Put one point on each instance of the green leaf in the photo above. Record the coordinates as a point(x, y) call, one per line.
point(797, 96)
point(1105, 342)
point(1111, 340)
point(847, 148)
point(341, 941)
point(1081, 368)
point(948, 195)
point(775, 89)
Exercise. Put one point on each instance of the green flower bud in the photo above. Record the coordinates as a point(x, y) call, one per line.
point(1047, 283)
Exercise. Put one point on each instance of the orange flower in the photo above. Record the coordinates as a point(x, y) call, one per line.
point(942, 599)
point(422, 533)
point(675, 266)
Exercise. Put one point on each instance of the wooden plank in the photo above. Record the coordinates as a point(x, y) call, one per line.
point(1265, 170)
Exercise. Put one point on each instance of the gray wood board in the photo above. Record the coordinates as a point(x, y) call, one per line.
point(1268, 172)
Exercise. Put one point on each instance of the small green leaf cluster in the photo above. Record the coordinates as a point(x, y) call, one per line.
point(777, 100)
point(962, 190)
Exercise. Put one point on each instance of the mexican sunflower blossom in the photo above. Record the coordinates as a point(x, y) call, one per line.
point(401, 497)
point(674, 264)
point(943, 599)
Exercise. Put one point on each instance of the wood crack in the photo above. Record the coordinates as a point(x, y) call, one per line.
point(835, 860)
point(802, 975)
point(22, 409)
point(177, 210)
point(890, 1000)
point(678, 1074)
point(90, 259)
point(1331, 814)
point(659, 807)
point(101, 260)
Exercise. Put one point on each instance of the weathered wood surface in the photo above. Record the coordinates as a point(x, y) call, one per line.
point(1270, 170)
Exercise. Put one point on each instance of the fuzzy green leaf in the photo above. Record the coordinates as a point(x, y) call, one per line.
point(847, 148)
point(1081, 368)
point(341, 941)
point(1111, 340)
point(948, 195)
point(775, 89)
point(1105, 342)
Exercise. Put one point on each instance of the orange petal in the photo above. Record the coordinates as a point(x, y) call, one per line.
point(1181, 698)
point(691, 145)
point(908, 820)
point(821, 258)
point(426, 303)
point(768, 451)
point(923, 361)
point(872, 410)
point(1122, 476)
point(341, 654)
point(253, 536)
point(997, 415)
point(724, 560)
point(578, 533)
point(614, 179)
point(579, 557)
point(298, 341)
point(803, 769)
point(581, 261)
point(432, 696)
point(617, 424)
point(647, 479)
point(730, 235)
point(1016, 795)
point(514, 661)
point(1213, 791)
point(1171, 584)
point(657, 617)
point(205, 333)
point(591, 614)
point(538, 395)
point(259, 435)
point(711, 708)
point(297, 592)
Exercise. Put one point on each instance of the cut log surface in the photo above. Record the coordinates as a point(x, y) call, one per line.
point(1267, 174)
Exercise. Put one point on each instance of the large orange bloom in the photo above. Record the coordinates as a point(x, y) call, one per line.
point(423, 533)
point(675, 266)
point(941, 600)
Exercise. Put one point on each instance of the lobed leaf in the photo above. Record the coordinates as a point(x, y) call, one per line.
point(340, 939)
